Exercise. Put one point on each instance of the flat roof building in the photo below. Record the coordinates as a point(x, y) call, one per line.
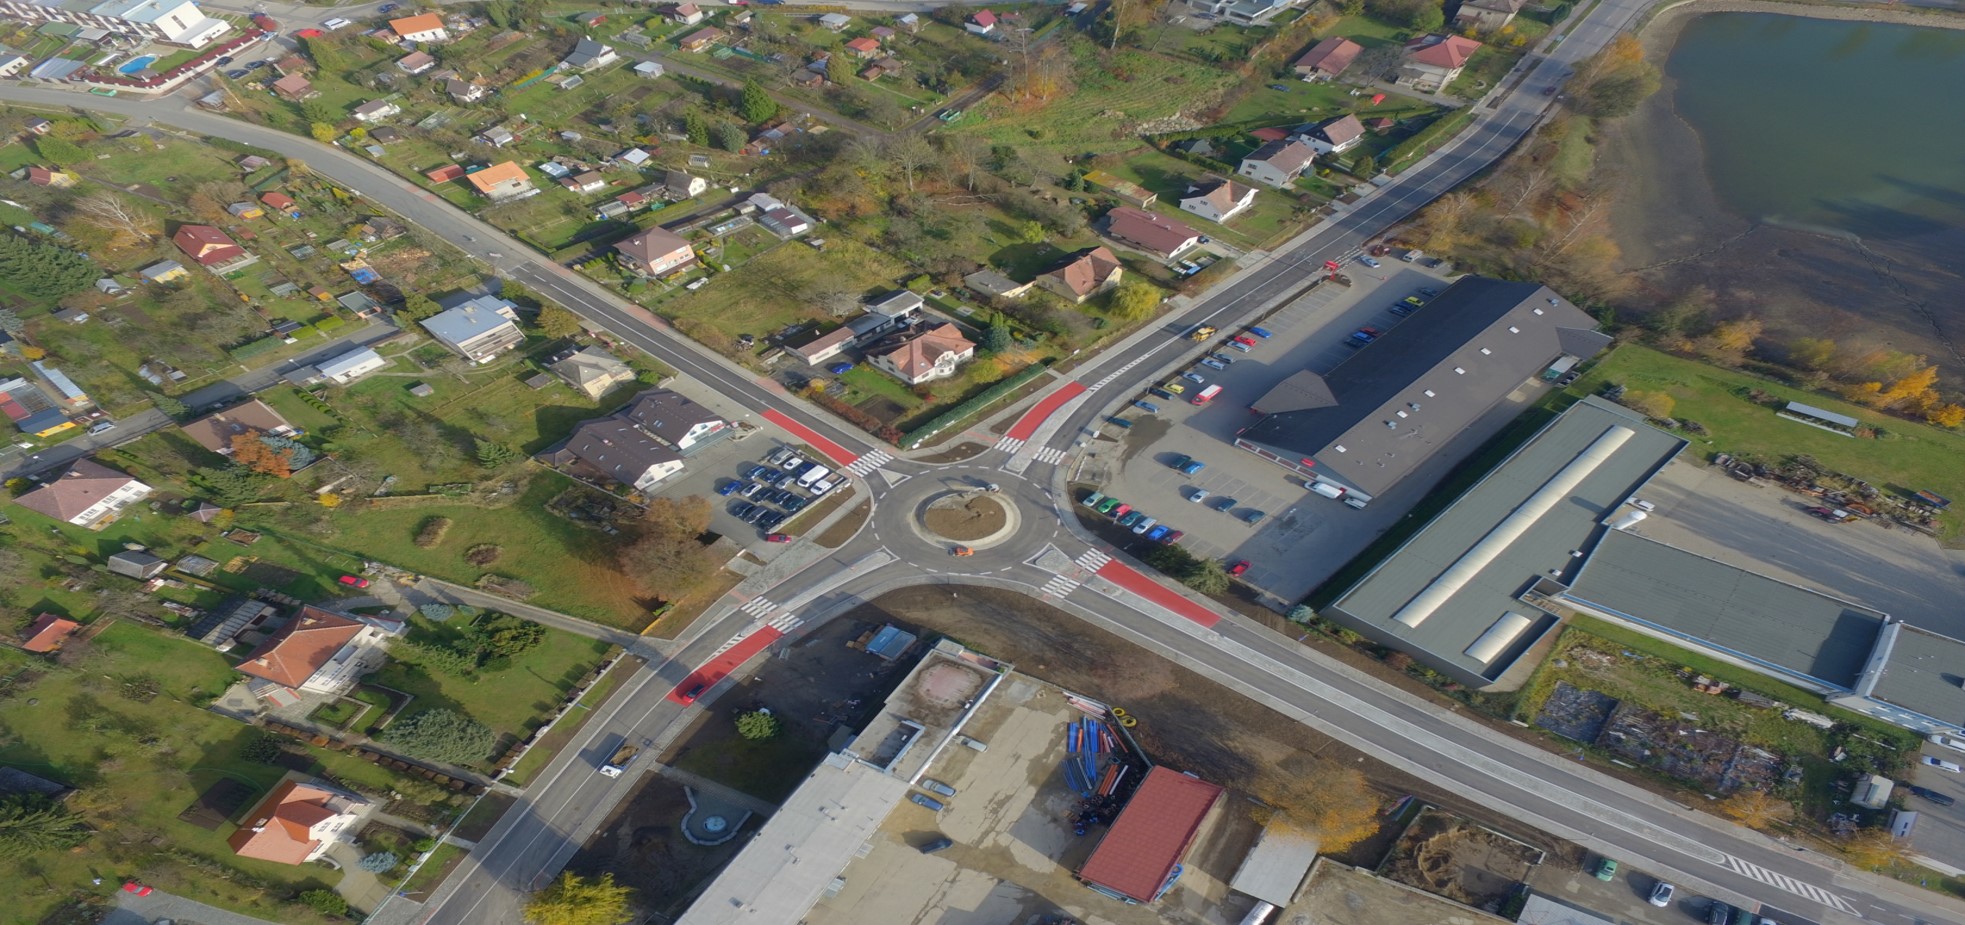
point(479, 330)
point(1137, 858)
point(1457, 595)
point(1406, 394)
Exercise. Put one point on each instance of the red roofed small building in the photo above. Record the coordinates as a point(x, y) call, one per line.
point(924, 356)
point(446, 173)
point(1430, 67)
point(47, 633)
point(294, 87)
point(317, 652)
point(297, 822)
point(1328, 58)
point(279, 202)
point(211, 248)
point(1136, 859)
point(982, 23)
point(1150, 232)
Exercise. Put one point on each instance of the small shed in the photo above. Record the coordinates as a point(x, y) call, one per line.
point(137, 564)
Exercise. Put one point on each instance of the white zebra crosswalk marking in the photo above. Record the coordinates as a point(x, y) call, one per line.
point(1060, 586)
point(1050, 454)
point(1093, 560)
point(1804, 890)
point(1009, 444)
point(865, 465)
point(758, 606)
point(786, 622)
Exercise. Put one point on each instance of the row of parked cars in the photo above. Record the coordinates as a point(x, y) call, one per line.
point(1400, 309)
point(1137, 521)
point(1188, 465)
point(785, 480)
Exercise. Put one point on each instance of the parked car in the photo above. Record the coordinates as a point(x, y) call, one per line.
point(1174, 387)
point(839, 369)
point(922, 799)
point(1132, 517)
point(728, 487)
point(1106, 506)
point(1199, 495)
point(1243, 339)
point(1261, 332)
point(1159, 533)
point(777, 537)
point(1947, 741)
point(101, 427)
point(1224, 504)
point(1717, 913)
point(934, 786)
point(336, 23)
point(1940, 764)
point(1173, 537)
point(1606, 869)
point(307, 34)
point(1121, 511)
point(690, 695)
point(237, 73)
point(353, 581)
point(1942, 799)
point(1401, 309)
point(1147, 406)
point(1238, 345)
point(1661, 895)
point(1118, 421)
point(1194, 377)
point(742, 509)
point(936, 845)
point(755, 514)
point(1240, 566)
point(1212, 363)
point(137, 889)
point(1221, 358)
point(1161, 394)
point(1145, 525)
point(751, 472)
point(795, 505)
point(1255, 517)
point(770, 521)
point(1369, 261)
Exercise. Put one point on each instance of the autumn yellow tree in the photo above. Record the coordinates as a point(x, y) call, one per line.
point(576, 900)
point(1949, 414)
point(1755, 809)
point(250, 451)
point(1329, 799)
point(1730, 340)
point(1873, 848)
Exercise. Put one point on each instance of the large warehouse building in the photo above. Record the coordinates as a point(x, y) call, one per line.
point(1547, 534)
point(1401, 398)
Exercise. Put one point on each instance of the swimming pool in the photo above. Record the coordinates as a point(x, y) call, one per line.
point(136, 64)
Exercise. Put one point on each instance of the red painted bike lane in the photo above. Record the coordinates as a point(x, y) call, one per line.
point(831, 450)
point(1031, 419)
point(720, 667)
point(1130, 579)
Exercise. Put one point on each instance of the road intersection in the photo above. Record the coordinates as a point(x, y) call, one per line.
point(1051, 558)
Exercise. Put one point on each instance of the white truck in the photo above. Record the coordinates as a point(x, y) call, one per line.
point(619, 762)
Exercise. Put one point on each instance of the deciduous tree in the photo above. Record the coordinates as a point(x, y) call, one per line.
point(555, 321)
point(1873, 848)
point(577, 900)
point(1134, 300)
point(251, 451)
point(119, 215)
point(668, 557)
point(1756, 809)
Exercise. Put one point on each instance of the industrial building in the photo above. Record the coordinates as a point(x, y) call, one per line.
point(1408, 392)
point(1554, 531)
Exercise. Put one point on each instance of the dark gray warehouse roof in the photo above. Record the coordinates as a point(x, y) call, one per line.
point(1405, 395)
point(1730, 609)
point(1569, 525)
point(1923, 673)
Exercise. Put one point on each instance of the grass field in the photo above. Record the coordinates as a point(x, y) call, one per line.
point(549, 746)
point(1906, 457)
point(773, 290)
point(1272, 215)
point(124, 726)
point(1101, 114)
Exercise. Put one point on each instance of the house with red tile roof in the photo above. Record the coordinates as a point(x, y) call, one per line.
point(89, 494)
point(923, 356)
point(297, 822)
point(982, 23)
point(1432, 63)
point(1083, 274)
point(864, 47)
point(278, 201)
point(47, 633)
point(1150, 232)
point(212, 248)
point(1328, 58)
point(317, 652)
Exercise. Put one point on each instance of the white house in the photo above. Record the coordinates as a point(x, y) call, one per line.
point(478, 330)
point(1278, 163)
point(428, 27)
point(89, 494)
point(1218, 200)
point(1336, 136)
point(983, 23)
point(352, 365)
point(298, 821)
point(173, 23)
point(588, 54)
point(376, 110)
point(924, 355)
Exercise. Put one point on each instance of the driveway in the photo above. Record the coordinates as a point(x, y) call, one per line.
point(144, 910)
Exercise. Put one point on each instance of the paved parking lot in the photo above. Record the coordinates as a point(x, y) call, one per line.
point(1767, 529)
point(1303, 538)
point(725, 462)
point(1939, 835)
point(1624, 899)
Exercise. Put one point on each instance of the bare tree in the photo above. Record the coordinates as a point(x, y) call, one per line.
point(1529, 184)
point(909, 153)
point(119, 215)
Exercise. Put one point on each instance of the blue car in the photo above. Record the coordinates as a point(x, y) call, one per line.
point(1147, 406)
point(1212, 363)
point(742, 509)
point(751, 472)
point(1159, 533)
point(1260, 332)
point(922, 799)
point(729, 487)
point(1161, 393)
point(839, 369)
point(1195, 378)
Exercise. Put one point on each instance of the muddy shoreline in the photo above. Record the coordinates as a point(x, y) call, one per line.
point(1675, 233)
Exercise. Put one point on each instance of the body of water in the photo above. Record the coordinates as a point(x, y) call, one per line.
point(1850, 126)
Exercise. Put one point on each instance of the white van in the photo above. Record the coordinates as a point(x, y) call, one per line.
point(1948, 741)
point(819, 488)
point(336, 23)
point(812, 475)
point(1325, 488)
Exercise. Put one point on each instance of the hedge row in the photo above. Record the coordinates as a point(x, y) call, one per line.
point(982, 400)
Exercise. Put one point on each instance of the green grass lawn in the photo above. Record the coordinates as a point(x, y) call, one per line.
point(137, 761)
point(1273, 214)
point(512, 700)
point(765, 294)
point(1110, 98)
point(543, 751)
point(1906, 457)
point(864, 381)
point(769, 770)
point(1497, 56)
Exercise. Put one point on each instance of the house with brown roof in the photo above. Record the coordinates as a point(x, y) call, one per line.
point(1432, 63)
point(675, 419)
point(1336, 136)
point(1083, 274)
point(278, 202)
point(923, 355)
point(500, 182)
point(427, 27)
point(1327, 59)
point(586, 182)
point(613, 449)
point(416, 62)
point(89, 494)
point(701, 39)
point(294, 87)
point(297, 822)
point(291, 64)
point(446, 173)
point(47, 633)
point(593, 371)
point(1217, 199)
point(864, 47)
point(1278, 163)
point(654, 252)
point(685, 14)
point(464, 91)
point(216, 431)
point(212, 249)
point(1486, 15)
point(317, 652)
point(45, 176)
point(1149, 232)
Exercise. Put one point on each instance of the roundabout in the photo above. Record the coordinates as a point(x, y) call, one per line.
point(978, 519)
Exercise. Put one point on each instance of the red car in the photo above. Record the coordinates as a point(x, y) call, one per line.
point(1173, 537)
point(1245, 340)
point(136, 888)
point(777, 537)
point(1239, 567)
point(354, 581)
point(308, 34)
